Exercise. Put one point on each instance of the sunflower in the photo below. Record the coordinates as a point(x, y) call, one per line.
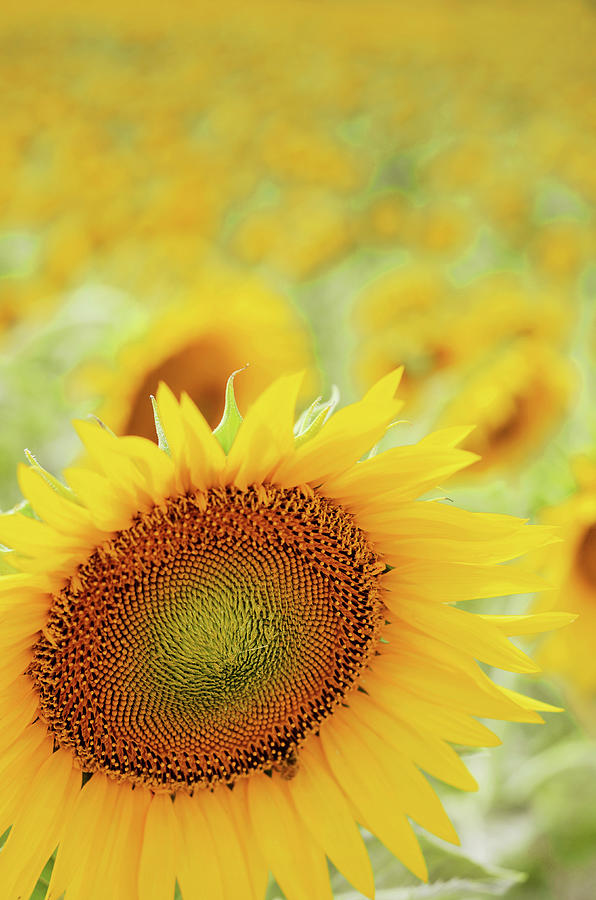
point(223, 651)
point(405, 314)
point(571, 566)
point(517, 398)
point(195, 344)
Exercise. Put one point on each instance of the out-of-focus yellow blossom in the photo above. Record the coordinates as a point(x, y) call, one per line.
point(295, 154)
point(571, 566)
point(461, 165)
point(307, 230)
point(501, 307)
point(416, 314)
point(402, 315)
point(386, 219)
point(517, 398)
point(560, 250)
point(127, 135)
point(227, 321)
point(400, 298)
point(443, 227)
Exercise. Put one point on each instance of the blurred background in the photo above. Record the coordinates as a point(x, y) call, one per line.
point(340, 186)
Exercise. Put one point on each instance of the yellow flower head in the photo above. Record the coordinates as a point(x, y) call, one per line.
point(571, 566)
point(220, 653)
point(517, 399)
point(404, 315)
point(196, 344)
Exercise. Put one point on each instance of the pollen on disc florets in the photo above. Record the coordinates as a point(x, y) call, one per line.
point(209, 638)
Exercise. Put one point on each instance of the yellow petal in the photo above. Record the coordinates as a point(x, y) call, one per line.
point(235, 874)
point(376, 805)
point(116, 861)
point(207, 459)
point(531, 624)
point(462, 630)
point(59, 513)
point(402, 473)
point(236, 805)
point(18, 708)
point(13, 663)
point(455, 689)
point(326, 814)
point(448, 581)
point(529, 702)
point(436, 519)
point(173, 425)
point(408, 735)
point(89, 880)
point(109, 508)
point(85, 826)
point(161, 841)
point(107, 454)
point(266, 435)
point(298, 866)
point(410, 790)
point(20, 760)
point(451, 724)
point(198, 868)
point(37, 828)
point(344, 438)
point(442, 550)
point(30, 537)
point(155, 466)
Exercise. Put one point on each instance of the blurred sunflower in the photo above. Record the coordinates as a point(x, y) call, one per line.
point(572, 567)
point(196, 344)
point(222, 652)
point(415, 314)
point(403, 315)
point(501, 307)
point(517, 399)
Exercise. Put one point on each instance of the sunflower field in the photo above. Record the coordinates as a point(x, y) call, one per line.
point(298, 450)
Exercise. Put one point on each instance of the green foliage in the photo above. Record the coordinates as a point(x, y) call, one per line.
point(452, 876)
point(42, 885)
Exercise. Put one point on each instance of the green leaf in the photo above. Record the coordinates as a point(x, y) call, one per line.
point(451, 876)
point(231, 420)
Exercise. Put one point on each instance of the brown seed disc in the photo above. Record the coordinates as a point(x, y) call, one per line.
point(201, 369)
point(586, 555)
point(209, 638)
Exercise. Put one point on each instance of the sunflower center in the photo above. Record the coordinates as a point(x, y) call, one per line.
point(586, 555)
point(513, 422)
point(209, 638)
point(200, 368)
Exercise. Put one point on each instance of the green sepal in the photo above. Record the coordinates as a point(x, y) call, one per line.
point(5, 567)
point(231, 420)
point(50, 479)
point(314, 417)
point(101, 423)
point(23, 507)
point(162, 441)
